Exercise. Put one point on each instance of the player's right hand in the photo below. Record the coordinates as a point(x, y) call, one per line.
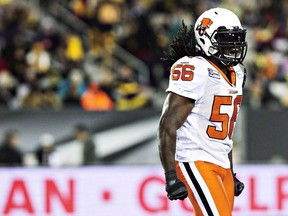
point(174, 187)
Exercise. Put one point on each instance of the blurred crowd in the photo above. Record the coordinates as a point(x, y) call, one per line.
point(44, 66)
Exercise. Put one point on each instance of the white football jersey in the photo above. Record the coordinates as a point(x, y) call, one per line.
point(207, 132)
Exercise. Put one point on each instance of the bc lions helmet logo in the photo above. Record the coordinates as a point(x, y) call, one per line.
point(205, 24)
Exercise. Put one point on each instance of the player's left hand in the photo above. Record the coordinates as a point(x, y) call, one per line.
point(238, 185)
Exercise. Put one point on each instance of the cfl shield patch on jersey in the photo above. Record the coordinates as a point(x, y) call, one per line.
point(239, 74)
point(213, 73)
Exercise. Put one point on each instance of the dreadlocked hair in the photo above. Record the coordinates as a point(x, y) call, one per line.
point(183, 44)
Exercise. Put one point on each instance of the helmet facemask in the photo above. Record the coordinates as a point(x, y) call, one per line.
point(229, 46)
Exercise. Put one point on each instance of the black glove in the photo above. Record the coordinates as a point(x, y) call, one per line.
point(174, 187)
point(238, 185)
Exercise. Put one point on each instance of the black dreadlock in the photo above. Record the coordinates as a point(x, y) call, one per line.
point(183, 44)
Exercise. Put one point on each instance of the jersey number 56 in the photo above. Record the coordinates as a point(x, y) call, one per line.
point(183, 72)
point(224, 119)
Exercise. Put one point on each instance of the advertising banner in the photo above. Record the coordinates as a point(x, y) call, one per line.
point(128, 191)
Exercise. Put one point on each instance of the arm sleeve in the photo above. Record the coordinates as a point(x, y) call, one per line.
point(193, 89)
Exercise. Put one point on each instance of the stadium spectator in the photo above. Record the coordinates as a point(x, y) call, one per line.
point(71, 89)
point(95, 99)
point(74, 48)
point(83, 136)
point(44, 153)
point(130, 94)
point(8, 86)
point(10, 155)
point(38, 59)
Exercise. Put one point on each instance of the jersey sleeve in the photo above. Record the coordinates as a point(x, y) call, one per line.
point(188, 78)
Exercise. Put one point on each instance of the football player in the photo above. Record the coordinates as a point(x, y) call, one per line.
point(199, 114)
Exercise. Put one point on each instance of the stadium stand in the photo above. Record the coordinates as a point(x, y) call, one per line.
point(52, 51)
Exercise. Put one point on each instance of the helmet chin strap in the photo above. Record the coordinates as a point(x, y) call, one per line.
point(229, 64)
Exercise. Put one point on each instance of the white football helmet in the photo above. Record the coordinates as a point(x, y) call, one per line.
point(219, 33)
